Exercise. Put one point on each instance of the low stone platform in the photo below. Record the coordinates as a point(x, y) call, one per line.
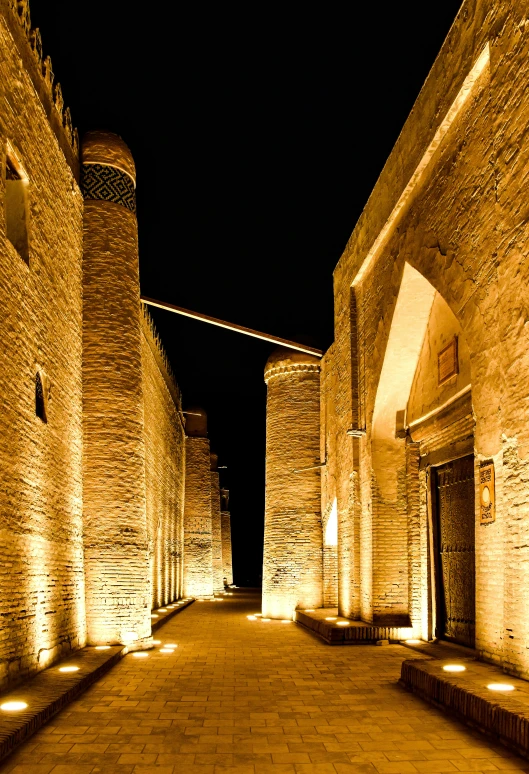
point(501, 715)
point(343, 631)
point(51, 690)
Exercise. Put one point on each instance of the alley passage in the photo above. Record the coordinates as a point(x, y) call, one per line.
point(250, 697)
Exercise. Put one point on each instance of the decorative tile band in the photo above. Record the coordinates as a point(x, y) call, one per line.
point(109, 184)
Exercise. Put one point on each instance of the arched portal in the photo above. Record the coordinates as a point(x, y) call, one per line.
point(422, 471)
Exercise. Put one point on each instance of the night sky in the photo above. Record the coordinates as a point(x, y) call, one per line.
point(258, 132)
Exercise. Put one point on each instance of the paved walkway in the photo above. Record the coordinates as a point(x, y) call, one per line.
point(248, 697)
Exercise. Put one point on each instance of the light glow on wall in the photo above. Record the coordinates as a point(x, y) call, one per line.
point(331, 528)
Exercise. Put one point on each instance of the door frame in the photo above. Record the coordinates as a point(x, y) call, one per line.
point(436, 597)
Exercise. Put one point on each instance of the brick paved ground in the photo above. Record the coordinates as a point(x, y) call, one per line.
point(243, 697)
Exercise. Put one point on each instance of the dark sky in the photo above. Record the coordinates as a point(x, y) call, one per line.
point(258, 132)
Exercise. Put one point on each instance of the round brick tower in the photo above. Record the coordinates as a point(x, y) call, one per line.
point(198, 543)
point(292, 562)
point(115, 534)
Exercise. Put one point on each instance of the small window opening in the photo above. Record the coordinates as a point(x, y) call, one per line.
point(42, 390)
point(16, 208)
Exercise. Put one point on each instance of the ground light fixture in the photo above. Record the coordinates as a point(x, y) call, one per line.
point(342, 623)
point(166, 650)
point(286, 620)
point(102, 647)
point(251, 617)
point(156, 642)
point(265, 620)
point(500, 687)
point(140, 654)
point(13, 706)
point(309, 611)
point(170, 645)
point(154, 615)
point(331, 618)
point(71, 668)
point(162, 610)
point(454, 668)
point(258, 615)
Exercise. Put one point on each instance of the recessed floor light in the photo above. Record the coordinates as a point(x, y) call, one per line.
point(309, 611)
point(500, 687)
point(454, 668)
point(286, 620)
point(102, 647)
point(331, 618)
point(265, 620)
point(166, 650)
point(140, 654)
point(154, 615)
point(13, 706)
point(170, 645)
point(69, 669)
point(162, 610)
point(251, 617)
point(342, 623)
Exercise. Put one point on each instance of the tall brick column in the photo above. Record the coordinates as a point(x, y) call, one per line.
point(225, 521)
point(198, 544)
point(216, 529)
point(118, 590)
point(293, 541)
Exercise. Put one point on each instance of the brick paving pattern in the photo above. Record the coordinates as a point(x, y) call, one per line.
point(250, 697)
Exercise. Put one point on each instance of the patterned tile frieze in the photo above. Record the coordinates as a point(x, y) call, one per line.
point(101, 181)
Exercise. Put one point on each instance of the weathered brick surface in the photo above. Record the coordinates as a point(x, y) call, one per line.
point(117, 571)
point(216, 534)
point(41, 552)
point(292, 562)
point(198, 549)
point(463, 226)
point(227, 567)
point(164, 469)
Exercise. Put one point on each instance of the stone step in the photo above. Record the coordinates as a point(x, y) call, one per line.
point(504, 716)
point(344, 631)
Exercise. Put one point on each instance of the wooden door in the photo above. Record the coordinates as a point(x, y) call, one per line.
point(455, 551)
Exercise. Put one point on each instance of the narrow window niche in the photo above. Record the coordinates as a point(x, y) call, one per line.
point(16, 206)
point(42, 395)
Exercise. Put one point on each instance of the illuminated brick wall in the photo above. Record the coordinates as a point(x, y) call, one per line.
point(116, 542)
point(216, 528)
point(41, 554)
point(164, 469)
point(448, 204)
point(198, 544)
point(227, 568)
point(292, 562)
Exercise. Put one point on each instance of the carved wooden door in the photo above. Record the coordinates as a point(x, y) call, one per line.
point(455, 550)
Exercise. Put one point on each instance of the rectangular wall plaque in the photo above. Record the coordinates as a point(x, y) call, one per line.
point(487, 493)
point(447, 362)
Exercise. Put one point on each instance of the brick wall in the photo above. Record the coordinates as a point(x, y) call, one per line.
point(216, 534)
point(164, 469)
point(448, 204)
point(198, 549)
point(41, 555)
point(227, 568)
